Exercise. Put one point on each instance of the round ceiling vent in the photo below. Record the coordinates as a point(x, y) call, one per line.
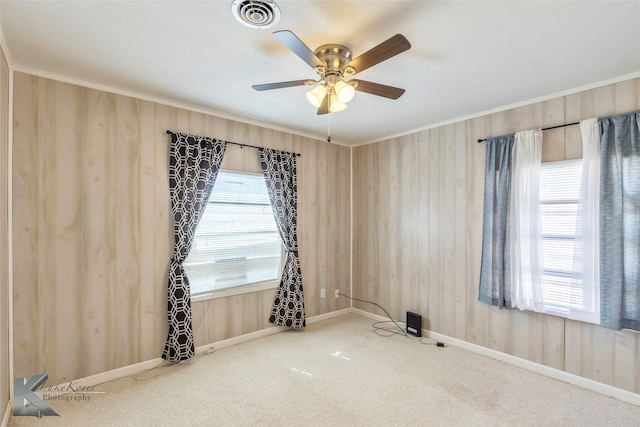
point(256, 13)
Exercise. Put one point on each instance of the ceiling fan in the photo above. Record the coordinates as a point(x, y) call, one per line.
point(333, 62)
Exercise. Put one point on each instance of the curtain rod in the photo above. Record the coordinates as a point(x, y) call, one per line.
point(549, 128)
point(169, 132)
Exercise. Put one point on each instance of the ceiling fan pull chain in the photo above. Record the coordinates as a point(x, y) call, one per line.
point(329, 128)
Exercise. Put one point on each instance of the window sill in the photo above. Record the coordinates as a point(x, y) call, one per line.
point(236, 290)
point(575, 314)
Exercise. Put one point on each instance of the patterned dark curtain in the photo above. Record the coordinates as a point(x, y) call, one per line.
point(193, 167)
point(279, 170)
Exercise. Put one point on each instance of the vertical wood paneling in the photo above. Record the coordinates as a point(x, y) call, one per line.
point(552, 334)
point(25, 180)
point(94, 231)
point(626, 354)
point(381, 231)
point(342, 275)
point(421, 291)
point(319, 249)
point(99, 229)
point(391, 207)
point(460, 241)
point(149, 298)
point(363, 201)
point(408, 223)
point(68, 211)
point(127, 231)
point(475, 315)
point(370, 249)
point(46, 235)
point(447, 199)
point(447, 216)
point(436, 239)
point(164, 118)
point(5, 375)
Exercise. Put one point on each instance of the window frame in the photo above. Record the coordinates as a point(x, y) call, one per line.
point(245, 288)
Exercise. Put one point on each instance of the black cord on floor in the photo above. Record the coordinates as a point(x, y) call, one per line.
point(431, 342)
point(386, 332)
point(402, 331)
point(377, 329)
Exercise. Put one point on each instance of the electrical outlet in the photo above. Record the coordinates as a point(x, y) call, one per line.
point(337, 293)
point(322, 293)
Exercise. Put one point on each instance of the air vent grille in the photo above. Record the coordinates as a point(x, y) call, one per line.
point(258, 14)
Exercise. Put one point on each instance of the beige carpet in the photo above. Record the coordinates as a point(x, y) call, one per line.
point(339, 373)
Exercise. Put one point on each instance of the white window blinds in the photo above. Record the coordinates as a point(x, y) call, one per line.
point(237, 240)
point(559, 197)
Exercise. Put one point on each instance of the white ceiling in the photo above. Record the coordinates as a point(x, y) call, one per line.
point(466, 57)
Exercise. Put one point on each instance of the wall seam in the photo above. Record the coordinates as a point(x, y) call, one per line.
point(351, 225)
point(10, 220)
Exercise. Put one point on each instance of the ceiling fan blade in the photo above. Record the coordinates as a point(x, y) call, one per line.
point(324, 107)
point(296, 45)
point(279, 85)
point(378, 89)
point(385, 50)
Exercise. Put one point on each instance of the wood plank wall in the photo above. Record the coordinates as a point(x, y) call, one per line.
point(417, 236)
point(92, 230)
point(5, 374)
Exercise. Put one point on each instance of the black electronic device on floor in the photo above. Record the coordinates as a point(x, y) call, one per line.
point(414, 324)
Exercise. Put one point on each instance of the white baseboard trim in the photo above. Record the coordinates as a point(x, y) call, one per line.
point(605, 389)
point(329, 315)
point(140, 367)
point(266, 332)
point(371, 316)
point(7, 414)
point(111, 375)
point(137, 368)
point(586, 383)
point(240, 339)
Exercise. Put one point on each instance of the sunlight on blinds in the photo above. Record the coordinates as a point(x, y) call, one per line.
point(237, 241)
point(559, 195)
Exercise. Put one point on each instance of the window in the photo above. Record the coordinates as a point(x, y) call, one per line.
point(237, 241)
point(559, 196)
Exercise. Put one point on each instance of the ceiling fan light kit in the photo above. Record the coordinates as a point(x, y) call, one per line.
point(335, 105)
point(344, 91)
point(316, 95)
point(339, 94)
point(333, 62)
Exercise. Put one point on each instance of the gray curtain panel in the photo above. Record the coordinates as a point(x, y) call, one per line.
point(495, 287)
point(193, 167)
point(620, 221)
point(279, 171)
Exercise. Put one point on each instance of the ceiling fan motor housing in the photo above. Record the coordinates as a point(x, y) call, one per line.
point(335, 56)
